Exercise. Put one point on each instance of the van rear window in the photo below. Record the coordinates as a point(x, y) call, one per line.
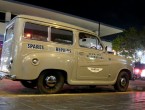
point(9, 33)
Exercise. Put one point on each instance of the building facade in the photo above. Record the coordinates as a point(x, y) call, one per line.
point(9, 9)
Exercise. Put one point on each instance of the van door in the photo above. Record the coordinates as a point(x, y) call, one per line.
point(92, 61)
point(6, 56)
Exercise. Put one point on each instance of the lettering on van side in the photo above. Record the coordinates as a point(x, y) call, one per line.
point(93, 55)
point(35, 46)
point(63, 50)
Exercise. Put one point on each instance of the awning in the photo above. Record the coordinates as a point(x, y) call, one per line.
point(22, 8)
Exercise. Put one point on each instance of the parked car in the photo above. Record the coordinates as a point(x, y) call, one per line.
point(139, 71)
point(47, 54)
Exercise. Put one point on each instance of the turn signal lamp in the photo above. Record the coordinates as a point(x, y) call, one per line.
point(137, 71)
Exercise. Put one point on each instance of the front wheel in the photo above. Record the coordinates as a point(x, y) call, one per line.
point(50, 82)
point(122, 82)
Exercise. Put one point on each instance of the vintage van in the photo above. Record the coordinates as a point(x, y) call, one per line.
point(47, 54)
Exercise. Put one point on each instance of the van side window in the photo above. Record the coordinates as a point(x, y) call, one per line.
point(61, 36)
point(89, 41)
point(35, 32)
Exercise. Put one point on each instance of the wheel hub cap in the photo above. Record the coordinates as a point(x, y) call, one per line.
point(123, 82)
point(50, 81)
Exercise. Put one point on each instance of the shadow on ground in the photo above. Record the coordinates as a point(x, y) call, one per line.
point(14, 87)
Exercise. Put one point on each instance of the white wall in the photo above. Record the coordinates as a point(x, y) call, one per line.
point(109, 45)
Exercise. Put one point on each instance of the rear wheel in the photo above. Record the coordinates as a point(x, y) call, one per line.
point(122, 82)
point(29, 84)
point(50, 82)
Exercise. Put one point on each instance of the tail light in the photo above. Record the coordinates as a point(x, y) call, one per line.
point(143, 73)
point(137, 71)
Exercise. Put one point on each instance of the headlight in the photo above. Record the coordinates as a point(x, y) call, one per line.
point(136, 71)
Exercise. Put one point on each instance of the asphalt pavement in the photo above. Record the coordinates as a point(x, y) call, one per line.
point(13, 96)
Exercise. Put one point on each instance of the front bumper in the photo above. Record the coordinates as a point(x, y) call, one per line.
point(4, 75)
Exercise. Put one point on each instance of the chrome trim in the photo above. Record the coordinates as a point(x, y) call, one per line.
point(6, 76)
point(50, 81)
point(123, 82)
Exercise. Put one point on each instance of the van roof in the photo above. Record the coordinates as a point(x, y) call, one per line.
point(55, 22)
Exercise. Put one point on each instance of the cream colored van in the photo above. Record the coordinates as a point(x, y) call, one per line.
point(47, 54)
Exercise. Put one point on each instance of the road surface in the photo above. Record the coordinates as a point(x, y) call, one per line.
point(16, 97)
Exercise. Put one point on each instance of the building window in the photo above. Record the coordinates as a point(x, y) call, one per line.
point(2, 17)
point(12, 16)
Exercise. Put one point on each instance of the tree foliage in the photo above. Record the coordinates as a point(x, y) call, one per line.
point(130, 41)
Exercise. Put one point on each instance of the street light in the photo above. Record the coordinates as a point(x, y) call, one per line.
point(139, 53)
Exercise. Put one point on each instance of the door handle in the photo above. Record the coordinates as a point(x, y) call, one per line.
point(109, 59)
point(81, 53)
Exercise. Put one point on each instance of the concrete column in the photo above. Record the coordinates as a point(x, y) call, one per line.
point(8, 16)
point(96, 32)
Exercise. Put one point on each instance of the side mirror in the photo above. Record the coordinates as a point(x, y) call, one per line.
point(83, 40)
point(107, 49)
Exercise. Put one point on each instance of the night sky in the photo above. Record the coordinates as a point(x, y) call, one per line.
point(119, 13)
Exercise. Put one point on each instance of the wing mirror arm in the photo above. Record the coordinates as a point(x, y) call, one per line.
point(106, 49)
